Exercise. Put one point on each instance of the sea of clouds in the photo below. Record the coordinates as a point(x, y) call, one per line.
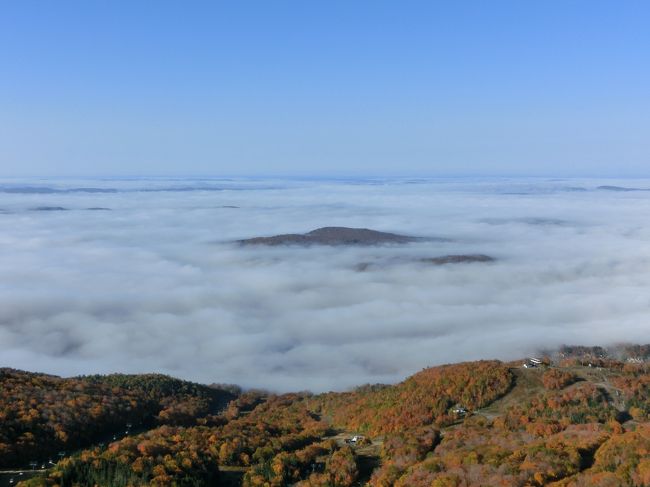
point(154, 283)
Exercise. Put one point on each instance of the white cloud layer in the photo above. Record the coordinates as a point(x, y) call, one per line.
point(155, 285)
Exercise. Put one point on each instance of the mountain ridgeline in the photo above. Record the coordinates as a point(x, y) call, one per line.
point(43, 415)
point(333, 236)
point(577, 417)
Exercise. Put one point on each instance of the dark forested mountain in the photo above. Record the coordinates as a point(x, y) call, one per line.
point(580, 419)
point(332, 236)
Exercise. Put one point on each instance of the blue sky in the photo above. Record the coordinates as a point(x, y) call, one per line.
point(325, 88)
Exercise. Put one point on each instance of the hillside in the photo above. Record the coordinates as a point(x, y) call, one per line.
point(44, 415)
point(581, 418)
point(332, 236)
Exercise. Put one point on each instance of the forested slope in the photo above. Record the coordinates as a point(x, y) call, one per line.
point(42, 415)
point(581, 420)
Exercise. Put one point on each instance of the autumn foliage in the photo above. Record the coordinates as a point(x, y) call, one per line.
point(425, 398)
point(557, 378)
point(43, 414)
point(564, 427)
point(165, 456)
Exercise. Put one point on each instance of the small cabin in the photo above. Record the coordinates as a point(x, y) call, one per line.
point(532, 362)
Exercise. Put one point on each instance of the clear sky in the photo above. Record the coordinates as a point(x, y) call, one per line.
point(325, 88)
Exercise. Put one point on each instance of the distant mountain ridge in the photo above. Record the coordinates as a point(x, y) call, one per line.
point(620, 188)
point(333, 236)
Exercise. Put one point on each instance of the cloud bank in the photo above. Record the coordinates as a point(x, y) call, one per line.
point(155, 284)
